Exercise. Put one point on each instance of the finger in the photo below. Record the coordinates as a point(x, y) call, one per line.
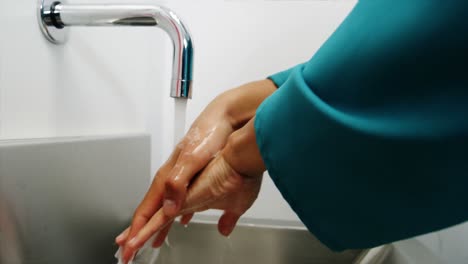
point(186, 219)
point(137, 224)
point(187, 167)
point(172, 160)
point(152, 201)
point(120, 239)
point(210, 186)
point(227, 222)
point(156, 223)
point(161, 237)
point(198, 152)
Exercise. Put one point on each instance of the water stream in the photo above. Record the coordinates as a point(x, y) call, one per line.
point(148, 255)
point(180, 118)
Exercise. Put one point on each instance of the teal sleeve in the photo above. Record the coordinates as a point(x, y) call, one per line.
point(368, 141)
point(281, 77)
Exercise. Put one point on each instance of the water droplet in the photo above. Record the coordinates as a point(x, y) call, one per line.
point(167, 242)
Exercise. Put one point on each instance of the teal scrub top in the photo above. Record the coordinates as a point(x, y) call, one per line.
point(368, 141)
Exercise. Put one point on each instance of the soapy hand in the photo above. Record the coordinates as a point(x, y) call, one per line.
point(206, 137)
point(230, 182)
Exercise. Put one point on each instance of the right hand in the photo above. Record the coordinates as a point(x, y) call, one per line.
point(206, 137)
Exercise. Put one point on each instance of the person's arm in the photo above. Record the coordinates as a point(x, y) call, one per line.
point(368, 141)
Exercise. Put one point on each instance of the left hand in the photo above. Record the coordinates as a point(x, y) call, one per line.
point(230, 182)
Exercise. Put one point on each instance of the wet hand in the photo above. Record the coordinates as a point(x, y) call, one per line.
point(206, 137)
point(231, 182)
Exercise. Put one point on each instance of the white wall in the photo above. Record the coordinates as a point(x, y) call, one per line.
point(112, 81)
point(95, 84)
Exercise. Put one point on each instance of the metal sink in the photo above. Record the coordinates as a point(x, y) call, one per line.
point(251, 244)
point(64, 201)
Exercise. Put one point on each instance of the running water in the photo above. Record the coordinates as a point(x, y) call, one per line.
point(147, 254)
point(227, 251)
point(180, 118)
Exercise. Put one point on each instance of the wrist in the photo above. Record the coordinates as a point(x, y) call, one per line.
point(241, 103)
point(242, 153)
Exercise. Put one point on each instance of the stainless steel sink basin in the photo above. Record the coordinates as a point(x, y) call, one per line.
point(249, 244)
point(64, 200)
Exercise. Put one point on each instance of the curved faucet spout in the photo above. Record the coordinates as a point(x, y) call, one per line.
point(61, 16)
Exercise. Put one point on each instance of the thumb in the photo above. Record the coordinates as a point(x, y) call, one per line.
point(227, 222)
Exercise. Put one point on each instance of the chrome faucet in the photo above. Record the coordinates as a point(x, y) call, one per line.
point(55, 17)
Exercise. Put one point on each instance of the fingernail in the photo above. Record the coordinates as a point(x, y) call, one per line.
point(169, 205)
point(120, 237)
point(132, 243)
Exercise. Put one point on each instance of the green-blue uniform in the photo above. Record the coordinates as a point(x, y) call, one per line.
point(368, 141)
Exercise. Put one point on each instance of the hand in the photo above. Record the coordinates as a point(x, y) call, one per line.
point(230, 182)
point(206, 137)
